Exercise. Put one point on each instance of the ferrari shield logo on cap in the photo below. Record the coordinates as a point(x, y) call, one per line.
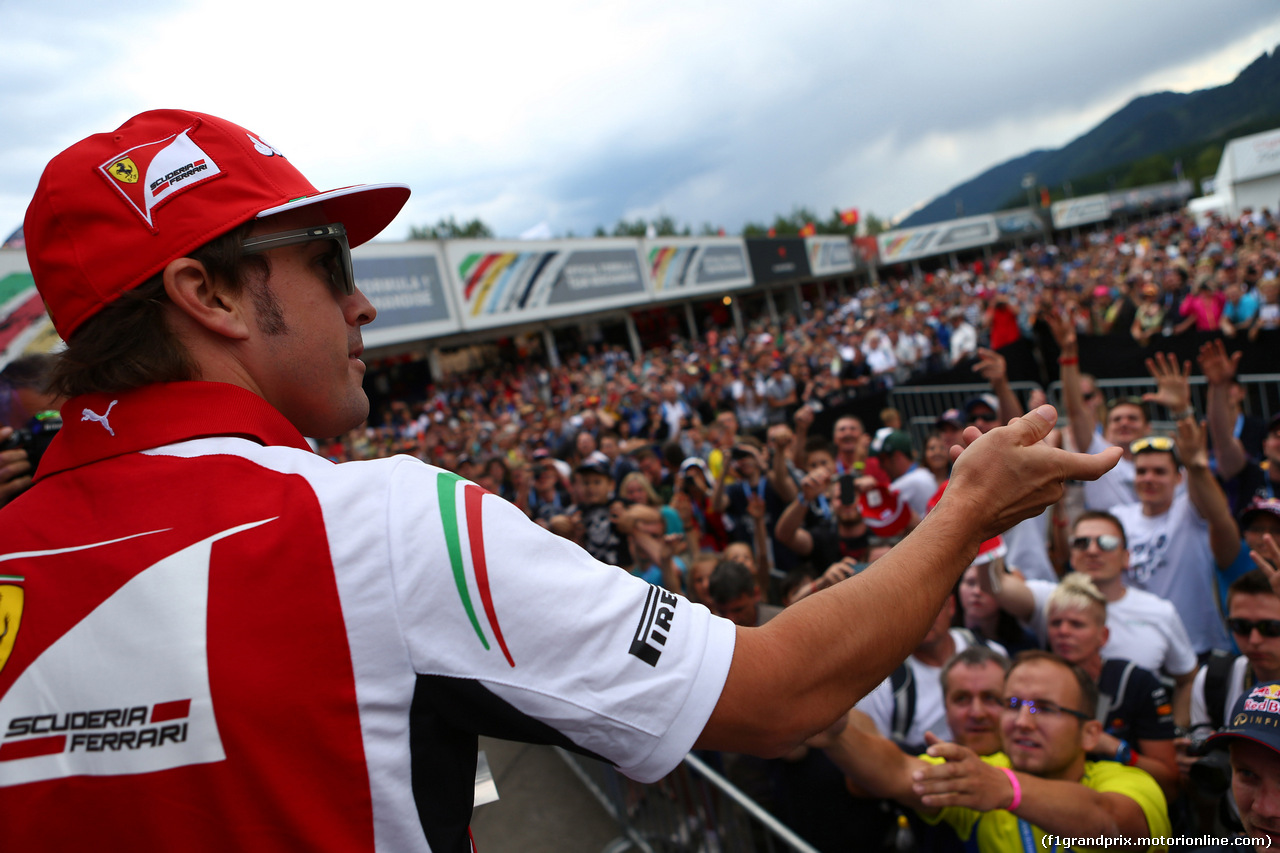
point(124, 170)
point(150, 173)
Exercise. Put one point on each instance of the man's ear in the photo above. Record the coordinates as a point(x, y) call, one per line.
point(199, 296)
point(1090, 732)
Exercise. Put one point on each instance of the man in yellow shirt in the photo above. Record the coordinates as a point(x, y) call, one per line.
point(1040, 793)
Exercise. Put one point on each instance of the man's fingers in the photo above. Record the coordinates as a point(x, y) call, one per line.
point(1030, 428)
point(1084, 466)
point(1035, 424)
point(1262, 562)
point(941, 749)
point(13, 488)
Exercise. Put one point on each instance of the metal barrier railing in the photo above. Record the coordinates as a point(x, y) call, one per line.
point(692, 809)
point(921, 405)
point(1262, 392)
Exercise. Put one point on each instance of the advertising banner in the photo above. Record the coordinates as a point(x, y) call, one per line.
point(1141, 199)
point(679, 266)
point(406, 283)
point(1018, 223)
point(908, 244)
point(778, 259)
point(502, 283)
point(1087, 209)
point(829, 255)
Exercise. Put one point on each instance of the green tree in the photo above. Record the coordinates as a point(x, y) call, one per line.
point(1206, 163)
point(1154, 169)
point(663, 226)
point(449, 229)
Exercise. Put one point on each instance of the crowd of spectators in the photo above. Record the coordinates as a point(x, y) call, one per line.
point(698, 466)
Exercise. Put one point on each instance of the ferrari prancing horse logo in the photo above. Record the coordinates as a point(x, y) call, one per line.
point(124, 170)
point(11, 598)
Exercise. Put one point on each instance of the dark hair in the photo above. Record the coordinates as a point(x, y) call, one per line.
point(29, 371)
point(1088, 689)
point(819, 444)
point(644, 451)
point(1253, 582)
point(1135, 402)
point(730, 579)
point(976, 655)
point(1102, 515)
point(672, 454)
point(128, 344)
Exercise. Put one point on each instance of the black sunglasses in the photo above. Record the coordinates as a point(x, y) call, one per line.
point(338, 263)
point(982, 416)
point(1106, 542)
point(1244, 627)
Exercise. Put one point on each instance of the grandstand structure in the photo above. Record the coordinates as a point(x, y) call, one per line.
point(437, 296)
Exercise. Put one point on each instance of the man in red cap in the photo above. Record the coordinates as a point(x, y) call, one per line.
point(217, 640)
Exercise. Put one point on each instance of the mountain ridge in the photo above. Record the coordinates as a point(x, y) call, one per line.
point(1142, 142)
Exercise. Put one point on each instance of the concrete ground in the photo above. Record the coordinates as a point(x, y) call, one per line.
point(542, 807)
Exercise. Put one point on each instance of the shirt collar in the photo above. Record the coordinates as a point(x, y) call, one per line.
point(100, 426)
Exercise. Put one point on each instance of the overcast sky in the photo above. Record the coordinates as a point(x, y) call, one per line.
point(578, 114)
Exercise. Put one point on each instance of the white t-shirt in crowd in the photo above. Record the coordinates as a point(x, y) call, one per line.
point(1144, 628)
point(1169, 555)
point(1028, 548)
point(916, 487)
point(1112, 488)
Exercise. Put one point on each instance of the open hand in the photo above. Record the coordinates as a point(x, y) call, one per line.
point(1009, 474)
point(1218, 367)
point(1173, 386)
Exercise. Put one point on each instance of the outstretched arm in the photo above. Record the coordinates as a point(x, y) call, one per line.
point(1079, 416)
point(993, 368)
point(1220, 370)
point(1205, 493)
point(1056, 806)
point(871, 761)
point(1010, 591)
point(792, 677)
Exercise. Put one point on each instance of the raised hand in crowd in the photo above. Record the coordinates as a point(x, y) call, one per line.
point(1218, 366)
point(836, 572)
point(991, 366)
point(781, 448)
point(1219, 369)
point(1267, 558)
point(1173, 384)
point(1204, 490)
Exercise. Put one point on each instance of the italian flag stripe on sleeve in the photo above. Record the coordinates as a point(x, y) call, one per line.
point(473, 495)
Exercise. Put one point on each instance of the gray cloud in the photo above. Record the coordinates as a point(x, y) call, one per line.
point(720, 113)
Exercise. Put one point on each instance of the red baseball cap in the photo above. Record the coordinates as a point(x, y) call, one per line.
point(113, 210)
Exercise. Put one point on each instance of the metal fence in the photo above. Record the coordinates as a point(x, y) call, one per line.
point(920, 406)
point(691, 810)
